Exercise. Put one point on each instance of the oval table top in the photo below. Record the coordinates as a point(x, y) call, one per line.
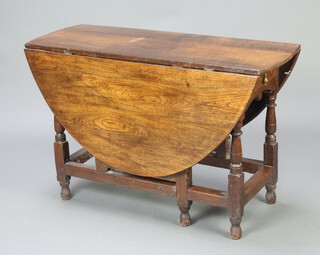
point(150, 103)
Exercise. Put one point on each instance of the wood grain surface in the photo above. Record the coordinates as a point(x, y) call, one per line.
point(168, 48)
point(148, 120)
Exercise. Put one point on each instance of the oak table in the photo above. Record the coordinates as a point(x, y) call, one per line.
point(149, 105)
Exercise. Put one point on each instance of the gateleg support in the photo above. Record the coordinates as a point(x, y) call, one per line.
point(62, 155)
point(271, 147)
point(183, 183)
point(223, 150)
point(236, 183)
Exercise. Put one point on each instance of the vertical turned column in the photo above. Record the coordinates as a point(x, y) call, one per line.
point(235, 183)
point(183, 182)
point(61, 152)
point(271, 147)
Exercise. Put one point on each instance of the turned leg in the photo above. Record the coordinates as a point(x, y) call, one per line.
point(271, 147)
point(61, 152)
point(183, 182)
point(235, 183)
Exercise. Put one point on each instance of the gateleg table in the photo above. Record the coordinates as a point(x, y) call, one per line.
point(149, 105)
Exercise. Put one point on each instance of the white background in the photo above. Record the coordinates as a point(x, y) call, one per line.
point(103, 219)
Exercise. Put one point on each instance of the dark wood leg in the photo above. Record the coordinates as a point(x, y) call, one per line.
point(61, 152)
point(102, 167)
point(183, 182)
point(271, 147)
point(223, 150)
point(235, 183)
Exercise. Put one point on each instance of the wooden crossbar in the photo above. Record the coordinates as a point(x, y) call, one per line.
point(80, 156)
point(161, 187)
point(257, 182)
point(248, 165)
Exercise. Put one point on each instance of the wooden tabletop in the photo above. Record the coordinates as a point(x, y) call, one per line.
point(168, 48)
